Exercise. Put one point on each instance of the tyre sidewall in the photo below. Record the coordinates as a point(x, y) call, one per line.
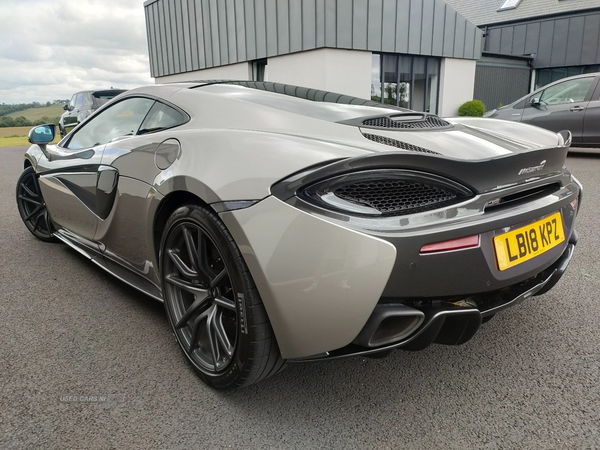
point(30, 171)
point(210, 223)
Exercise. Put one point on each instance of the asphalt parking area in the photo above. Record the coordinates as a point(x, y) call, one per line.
point(87, 362)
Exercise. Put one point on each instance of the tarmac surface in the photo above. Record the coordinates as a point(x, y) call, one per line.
point(88, 362)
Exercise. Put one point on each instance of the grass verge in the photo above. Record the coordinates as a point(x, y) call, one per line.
point(17, 136)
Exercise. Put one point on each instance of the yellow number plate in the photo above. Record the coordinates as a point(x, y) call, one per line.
point(525, 243)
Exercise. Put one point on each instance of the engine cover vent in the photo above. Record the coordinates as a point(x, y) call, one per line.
point(398, 144)
point(407, 122)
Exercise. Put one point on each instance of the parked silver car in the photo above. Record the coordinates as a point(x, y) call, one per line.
point(82, 105)
point(571, 103)
point(286, 224)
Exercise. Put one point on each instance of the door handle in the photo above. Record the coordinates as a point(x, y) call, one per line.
point(577, 108)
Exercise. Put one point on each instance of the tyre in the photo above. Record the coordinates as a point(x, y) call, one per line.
point(32, 206)
point(212, 304)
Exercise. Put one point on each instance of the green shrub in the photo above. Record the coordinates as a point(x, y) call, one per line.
point(472, 108)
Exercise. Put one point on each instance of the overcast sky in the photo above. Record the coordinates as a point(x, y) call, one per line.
point(50, 49)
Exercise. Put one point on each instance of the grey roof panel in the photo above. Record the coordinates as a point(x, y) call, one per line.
point(558, 41)
point(485, 12)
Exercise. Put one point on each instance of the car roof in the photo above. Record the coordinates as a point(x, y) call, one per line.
point(574, 77)
point(305, 93)
point(102, 91)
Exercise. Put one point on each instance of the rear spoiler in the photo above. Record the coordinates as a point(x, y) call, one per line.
point(480, 176)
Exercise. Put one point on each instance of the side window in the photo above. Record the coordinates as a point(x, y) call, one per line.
point(162, 117)
point(121, 119)
point(86, 101)
point(78, 101)
point(73, 100)
point(567, 92)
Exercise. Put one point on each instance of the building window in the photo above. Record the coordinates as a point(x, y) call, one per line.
point(407, 81)
point(546, 76)
point(509, 4)
point(259, 70)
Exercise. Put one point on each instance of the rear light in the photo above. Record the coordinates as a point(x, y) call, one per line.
point(575, 205)
point(453, 244)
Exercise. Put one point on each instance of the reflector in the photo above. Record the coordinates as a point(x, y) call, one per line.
point(454, 244)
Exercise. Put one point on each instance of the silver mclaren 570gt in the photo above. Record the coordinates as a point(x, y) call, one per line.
point(283, 224)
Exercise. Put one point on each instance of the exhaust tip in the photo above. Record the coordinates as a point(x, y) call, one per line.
point(394, 328)
point(389, 324)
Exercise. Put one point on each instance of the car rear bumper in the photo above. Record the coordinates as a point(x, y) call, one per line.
point(327, 287)
point(446, 322)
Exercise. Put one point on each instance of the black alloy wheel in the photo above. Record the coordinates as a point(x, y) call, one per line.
point(32, 206)
point(212, 304)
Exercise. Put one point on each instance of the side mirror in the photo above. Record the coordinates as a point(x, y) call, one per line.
point(535, 102)
point(42, 134)
point(66, 107)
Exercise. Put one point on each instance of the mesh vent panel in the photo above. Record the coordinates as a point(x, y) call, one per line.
point(396, 197)
point(398, 144)
point(386, 122)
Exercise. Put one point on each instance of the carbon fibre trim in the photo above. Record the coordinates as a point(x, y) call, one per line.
point(85, 196)
point(220, 207)
point(480, 176)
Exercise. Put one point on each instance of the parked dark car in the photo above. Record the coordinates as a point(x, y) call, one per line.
point(571, 103)
point(82, 104)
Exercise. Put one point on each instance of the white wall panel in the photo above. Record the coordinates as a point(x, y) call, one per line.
point(457, 83)
point(343, 71)
point(239, 71)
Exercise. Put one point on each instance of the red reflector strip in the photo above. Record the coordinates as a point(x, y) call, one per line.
point(575, 204)
point(454, 244)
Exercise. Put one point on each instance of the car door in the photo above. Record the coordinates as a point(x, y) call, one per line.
point(70, 118)
point(139, 160)
point(561, 106)
point(591, 119)
point(77, 188)
point(85, 108)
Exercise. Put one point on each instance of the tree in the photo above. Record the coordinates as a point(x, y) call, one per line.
point(6, 121)
point(22, 122)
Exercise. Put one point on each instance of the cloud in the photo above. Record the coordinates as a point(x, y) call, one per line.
point(50, 49)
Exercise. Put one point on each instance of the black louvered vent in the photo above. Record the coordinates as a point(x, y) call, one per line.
point(408, 124)
point(525, 196)
point(398, 144)
point(397, 197)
